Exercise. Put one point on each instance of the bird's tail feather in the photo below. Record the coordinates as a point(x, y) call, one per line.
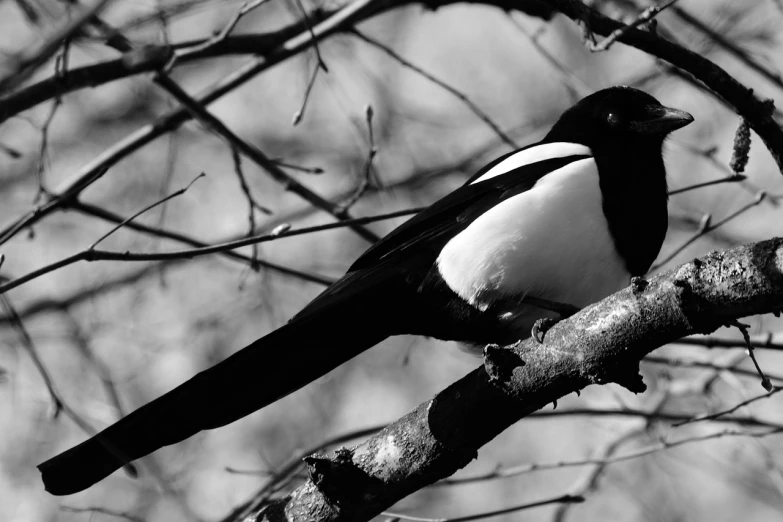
point(261, 373)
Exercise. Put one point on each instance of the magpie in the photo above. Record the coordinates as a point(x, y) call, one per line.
point(542, 230)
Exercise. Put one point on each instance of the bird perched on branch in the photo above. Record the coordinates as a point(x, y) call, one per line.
point(537, 233)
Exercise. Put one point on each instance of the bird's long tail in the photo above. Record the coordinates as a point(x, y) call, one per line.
point(261, 373)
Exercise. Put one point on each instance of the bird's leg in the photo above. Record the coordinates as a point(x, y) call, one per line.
point(542, 326)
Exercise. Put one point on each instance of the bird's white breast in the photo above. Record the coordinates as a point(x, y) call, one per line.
point(550, 242)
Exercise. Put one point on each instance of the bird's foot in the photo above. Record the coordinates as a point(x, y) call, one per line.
point(639, 284)
point(541, 327)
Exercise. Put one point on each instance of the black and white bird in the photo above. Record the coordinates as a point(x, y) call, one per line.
point(561, 223)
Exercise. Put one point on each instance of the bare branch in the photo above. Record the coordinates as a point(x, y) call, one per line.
point(255, 154)
point(440, 83)
point(734, 178)
point(103, 511)
point(372, 152)
point(91, 254)
point(707, 227)
point(646, 16)
point(687, 363)
point(41, 53)
point(772, 391)
point(662, 445)
point(588, 482)
point(750, 351)
point(107, 215)
point(299, 114)
point(562, 499)
point(246, 8)
point(59, 403)
point(717, 342)
point(602, 343)
point(144, 210)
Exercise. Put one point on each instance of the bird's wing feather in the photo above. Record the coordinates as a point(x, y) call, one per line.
point(415, 244)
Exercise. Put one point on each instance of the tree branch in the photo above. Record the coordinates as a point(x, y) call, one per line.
point(603, 343)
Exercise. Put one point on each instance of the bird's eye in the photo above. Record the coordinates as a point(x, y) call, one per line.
point(613, 119)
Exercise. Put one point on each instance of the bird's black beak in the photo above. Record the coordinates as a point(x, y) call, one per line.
point(662, 120)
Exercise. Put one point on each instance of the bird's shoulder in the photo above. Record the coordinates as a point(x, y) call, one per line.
point(510, 174)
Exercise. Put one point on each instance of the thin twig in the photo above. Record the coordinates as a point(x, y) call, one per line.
point(440, 83)
point(146, 209)
point(110, 216)
point(662, 445)
point(252, 205)
point(91, 255)
point(646, 16)
point(708, 154)
point(717, 342)
point(299, 114)
point(728, 45)
point(98, 167)
point(734, 178)
point(562, 499)
point(371, 153)
point(221, 36)
point(578, 87)
point(300, 168)
point(772, 391)
point(686, 363)
point(27, 341)
point(103, 511)
point(751, 353)
point(306, 18)
point(289, 470)
point(256, 155)
point(61, 70)
point(101, 370)
point(28, 64)
point(706, 227)
point(589, 480)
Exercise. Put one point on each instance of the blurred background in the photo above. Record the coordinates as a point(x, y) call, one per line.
point(108, 337)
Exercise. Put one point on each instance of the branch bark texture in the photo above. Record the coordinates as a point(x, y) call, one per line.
point(601, 344)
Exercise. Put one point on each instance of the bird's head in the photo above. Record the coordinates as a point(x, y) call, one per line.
point(615, 116)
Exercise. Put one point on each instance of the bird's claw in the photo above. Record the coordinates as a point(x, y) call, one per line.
point(541, 327)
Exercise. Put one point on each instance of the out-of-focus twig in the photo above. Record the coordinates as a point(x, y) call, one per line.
point(110, 216)
point(60, 405)
point(718, 342)
point(562, 499)
point(475, 109)
point(743, 328)
point(688, 363)
point(706, 227)
point(92, 254)
point(371, 153)
point(145, 210)
point(646, 16)
point(299, 114)
point(734, 178)
point(255, 154)
point(103, 511)
point(252, 204)
point(246, 8)
point(41, 53)
point(713, 416)
point(660, 446)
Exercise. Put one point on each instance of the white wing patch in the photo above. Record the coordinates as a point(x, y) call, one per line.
point(534, 155)
point(551, 242)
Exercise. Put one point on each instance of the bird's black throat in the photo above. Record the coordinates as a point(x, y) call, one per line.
point(633, 186)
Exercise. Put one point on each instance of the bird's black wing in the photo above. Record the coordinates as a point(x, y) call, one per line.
point(416, 243)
